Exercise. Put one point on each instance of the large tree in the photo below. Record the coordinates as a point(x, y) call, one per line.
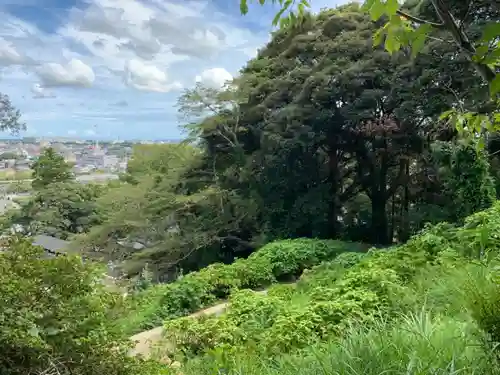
point(334, 118)
point(166, 217)
point(10, 117)
point(49, 168)
point(61, 209)
point(470, 26)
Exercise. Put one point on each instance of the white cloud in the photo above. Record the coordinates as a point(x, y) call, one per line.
point(214, 78)
point(148, 77)
point(73, 73)
point(72, 132)
point(90, 132)
point(9, 55)
point(109, 46)
point(40, 92)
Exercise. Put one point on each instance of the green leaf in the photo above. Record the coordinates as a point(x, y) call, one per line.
point(419, 37)
point(262, 2)
point(391, 7)
point(277, 17)
point(378, 37)
point(492, 58)
point(477, 123)
point(377, 10)
point(480, 143)
point(284, 22)
point(305, 3)
point(491, 31)
point(33, 331)
point(392, 44)
point(368, 4)
point(243, 7)
point(481, 51)
point(495, 85)
point(446, 114)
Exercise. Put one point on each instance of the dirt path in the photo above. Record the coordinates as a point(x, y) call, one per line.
point(145, 341)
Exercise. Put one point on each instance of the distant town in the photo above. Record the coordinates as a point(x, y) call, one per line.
point(93, 162)
point(87, 156)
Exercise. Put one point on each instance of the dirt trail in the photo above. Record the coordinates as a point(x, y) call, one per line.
point(145, 341)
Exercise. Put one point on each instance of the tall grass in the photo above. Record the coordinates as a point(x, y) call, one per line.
point(417, 344)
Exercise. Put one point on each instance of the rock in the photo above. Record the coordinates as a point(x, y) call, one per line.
point(175, 365)
point(166, 361)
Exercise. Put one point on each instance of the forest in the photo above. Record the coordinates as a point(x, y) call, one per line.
point(357, 184)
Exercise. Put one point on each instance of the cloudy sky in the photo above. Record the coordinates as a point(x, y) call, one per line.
point(115, 68)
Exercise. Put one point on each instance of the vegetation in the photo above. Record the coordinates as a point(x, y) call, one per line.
point(61, 209)
point(49, 168)
point(10, 117)
point(19, 187)
point(278, 261)
point(451, 19)
point(326, 177)
point(386, 311)
point(12, 175)
point(57, 318)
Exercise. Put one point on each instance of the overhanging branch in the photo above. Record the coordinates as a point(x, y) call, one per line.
point(420, 21)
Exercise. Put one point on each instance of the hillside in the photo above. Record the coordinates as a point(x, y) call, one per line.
point(334, 209)
point(428, 306)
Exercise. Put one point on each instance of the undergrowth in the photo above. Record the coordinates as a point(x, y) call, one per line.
point(277, 261)
point(429, 306)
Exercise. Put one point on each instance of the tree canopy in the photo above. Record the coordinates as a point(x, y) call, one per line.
point(321, 135)
point(49, 168)
point(471, 27)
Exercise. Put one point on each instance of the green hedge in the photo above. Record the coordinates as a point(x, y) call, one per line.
point(280, 260)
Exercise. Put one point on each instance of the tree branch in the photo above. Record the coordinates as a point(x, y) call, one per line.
point(419, 20)
point(461, 39)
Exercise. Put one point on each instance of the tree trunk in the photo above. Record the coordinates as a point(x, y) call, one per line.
point(333, 180)
point(380, 196)
point(380, 224)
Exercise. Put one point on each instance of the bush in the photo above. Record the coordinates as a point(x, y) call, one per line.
point(291, 317)
point(416, 344)
point(57, 317)
point(278, 260)
point(289, 258)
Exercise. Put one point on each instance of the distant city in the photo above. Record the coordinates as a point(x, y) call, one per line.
point(87, 156)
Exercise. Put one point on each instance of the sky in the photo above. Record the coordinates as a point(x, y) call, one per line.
point(114, 69)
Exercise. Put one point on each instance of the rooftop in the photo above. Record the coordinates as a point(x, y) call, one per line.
point(52, 244)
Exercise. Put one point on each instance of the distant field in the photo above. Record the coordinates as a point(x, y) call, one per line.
point(11, 175)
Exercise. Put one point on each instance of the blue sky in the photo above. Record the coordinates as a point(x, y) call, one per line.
point(115, 68)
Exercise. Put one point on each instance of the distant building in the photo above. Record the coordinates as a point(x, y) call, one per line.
point(22, 165)
point(51, 244)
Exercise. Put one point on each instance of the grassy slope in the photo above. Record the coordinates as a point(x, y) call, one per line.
point(427, 307)
point(278, 261)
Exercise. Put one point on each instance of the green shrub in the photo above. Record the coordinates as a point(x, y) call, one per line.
point(327, 272)
point(480, 235)
point(291, 317)
point(416, 344)
point(481, 295)
point(349, 259)
point(278, 260)
point(56, 316)
point(250, 314)
point(291, 257)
